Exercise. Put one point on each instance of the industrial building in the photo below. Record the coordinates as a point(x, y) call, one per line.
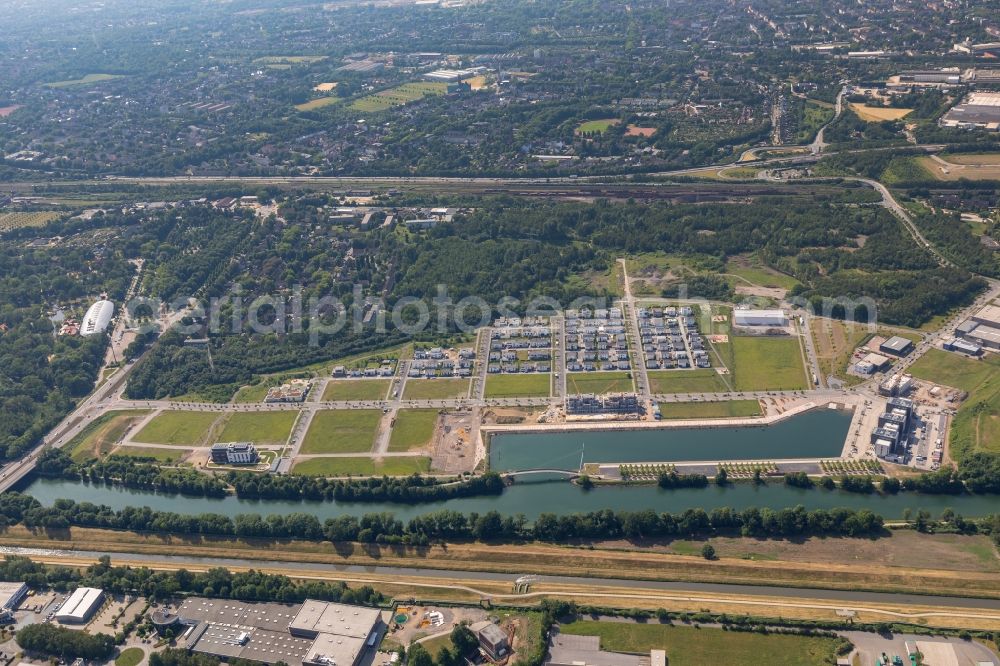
point(97, 318)
point(493, 640)
point(313, 633)
point(871, 364)
point(234, 453)
point(80, 606)
point(760, 318)
point(979, 110)
point(896, 346)
point(983, 328)
point(11, 596)
point(962, 346)
point(614, 403)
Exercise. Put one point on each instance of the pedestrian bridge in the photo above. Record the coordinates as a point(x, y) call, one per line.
point(544, 470)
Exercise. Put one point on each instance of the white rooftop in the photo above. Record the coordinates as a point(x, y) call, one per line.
point(338, 619)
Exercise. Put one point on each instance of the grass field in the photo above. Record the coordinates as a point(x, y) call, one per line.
point(130, 657)
point(288, 60)
point(258, 427)
point(767, 364)
point(86, 80)
point(740, 173)
point(976, 426)
point(414, 429)
point(253, 393)
point(178, 427)
point(835, 341)
point(163, 455)
point(693, 646)
point(701, 380)
point(599, 382)
point(709, 410)
point(436, 389)
point(758, 274)
point(814, 115)
point(318, 103)
point(356, 389)
point(342, 431)
point(596, 126)
point(536, 384)
point(875, 114)
point(101, 435)
point(970, 167)
point(363, 466)
point(398, 96)
point(20, 220)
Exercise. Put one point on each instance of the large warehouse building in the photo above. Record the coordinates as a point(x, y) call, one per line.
point(980, 110)
point(760, 318)
point(11, 596)
point(97, 318)
point(983, 328)
point(80, 606)
point(314, 633)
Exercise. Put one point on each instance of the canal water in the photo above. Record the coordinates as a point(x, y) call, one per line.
point(818, 433)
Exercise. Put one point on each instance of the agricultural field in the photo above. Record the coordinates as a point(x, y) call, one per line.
point(178, 428)
point(876, 114)
point(100, 436)
point(318, 103)
point(695, 646)
point(398, 96)
point(596, 126)
point(21, 220)
point(835, 341)
point(356, 389)
point(518, 386)
point(414, 429)
point(700, 380)
point(258, 427)
point(85, 80)
point(710, 410)
point(436, 389)
point(976, 426)
point(599, 382)
point(341, 431)
point(767, 364)
point(363, 466)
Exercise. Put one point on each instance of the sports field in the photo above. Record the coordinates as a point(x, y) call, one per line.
point(709, 410)
point(414, 429)
point(356, 389)
point(596, 126)
point(178, 427)
point(599, 382)
point(700, 380)
point(531, 385)
point(697, 646)
point(258, 427)
point(436, 389)
point(84, 80)
point(767, 364)
point(318, 103)
point(876, 114)
point(361, 466)
point(398, 96)
point(342, 431)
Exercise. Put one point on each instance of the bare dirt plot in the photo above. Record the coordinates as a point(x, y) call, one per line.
point(876, 114)
point(976, 159)
point(7, 110)
point(835, 342)
point(987, 167)
point(635, 130)
point(455, 442)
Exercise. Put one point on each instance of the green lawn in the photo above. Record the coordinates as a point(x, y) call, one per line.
point(164, 455)
point(342, 431)
point(599, 382)
point(130, 657)
point(597, 126)
point(435, 389)
point(361, 466)
point(699, 380)
point(976, 426)
point(767, 364)
point(531, 385)
point(89, 78)
point(413, 430)
point(101, 435)
point(760, 275)
point(178, 427)
point(259, 427)
point(709, 410)
point(253, 393)
point(398, 96)
point(356, 389)
point(319, 103)
point(690, 646)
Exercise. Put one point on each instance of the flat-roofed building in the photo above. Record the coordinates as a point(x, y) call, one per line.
point(80, 605)
point(492, 639)
point(316, 617)
point(979, 110)
point(896, 346)
point(760, 318)
point(11, 595)
point(989, 315)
